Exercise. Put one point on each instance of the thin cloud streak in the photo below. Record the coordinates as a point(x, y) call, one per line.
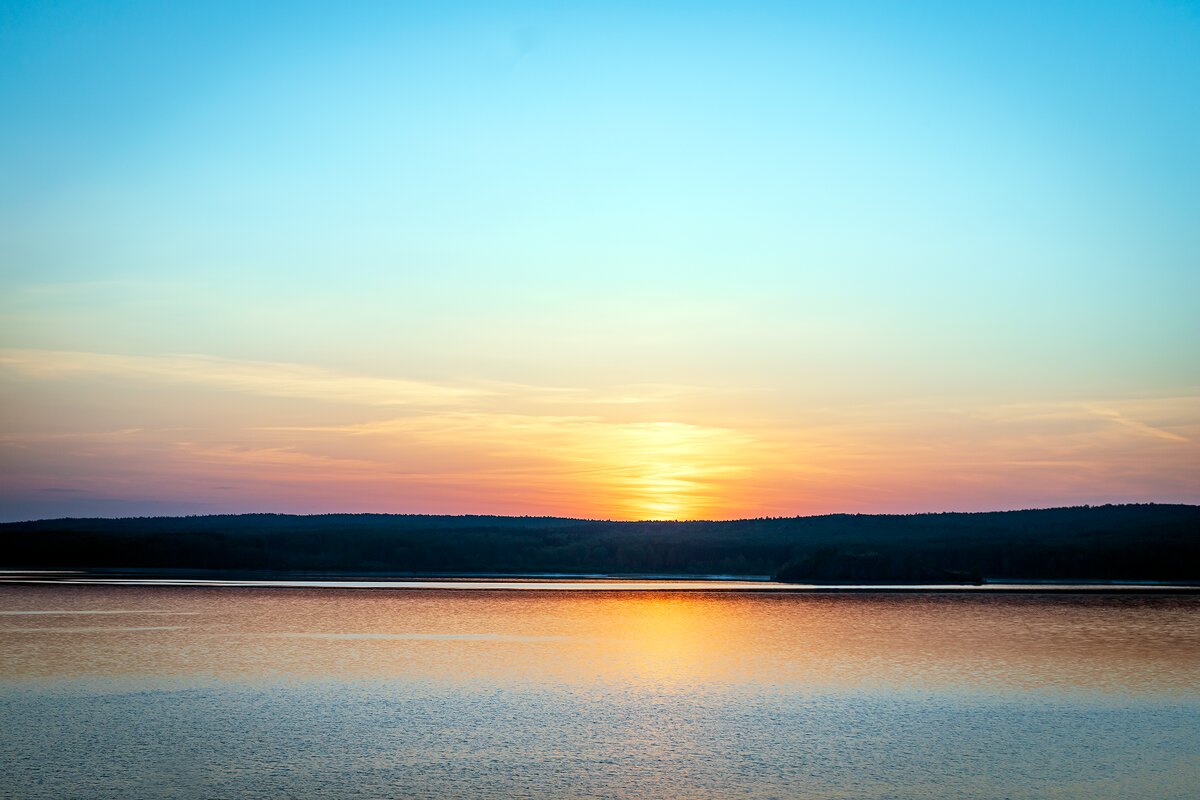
point(251, 377)
point(1137, 425)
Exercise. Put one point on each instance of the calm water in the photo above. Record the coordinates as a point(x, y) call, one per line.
point(188, 692)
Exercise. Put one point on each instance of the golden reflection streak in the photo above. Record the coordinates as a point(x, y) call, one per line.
point(664, 641)
point(661, 638)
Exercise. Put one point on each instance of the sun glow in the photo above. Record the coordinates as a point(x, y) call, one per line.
point(668, 470)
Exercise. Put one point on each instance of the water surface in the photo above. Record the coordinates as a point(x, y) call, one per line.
point(189, 692)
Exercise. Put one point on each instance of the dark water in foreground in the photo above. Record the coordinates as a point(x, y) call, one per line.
point(184, 692)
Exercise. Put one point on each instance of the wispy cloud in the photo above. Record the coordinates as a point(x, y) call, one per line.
point(1116, 416)
point(292, 380)
point(252, 377)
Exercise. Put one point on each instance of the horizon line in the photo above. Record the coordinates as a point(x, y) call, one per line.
point(590, 519)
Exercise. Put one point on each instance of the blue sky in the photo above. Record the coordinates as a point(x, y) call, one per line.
point(775, 210)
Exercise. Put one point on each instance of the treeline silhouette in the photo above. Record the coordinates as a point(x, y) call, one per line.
point(1114, 542)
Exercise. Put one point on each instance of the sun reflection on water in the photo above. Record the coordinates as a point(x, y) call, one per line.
point(669, 641)
point(660, 638)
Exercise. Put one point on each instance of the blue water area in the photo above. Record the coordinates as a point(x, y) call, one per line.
point(379, 740)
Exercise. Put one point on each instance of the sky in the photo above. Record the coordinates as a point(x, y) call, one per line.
point(607, 260)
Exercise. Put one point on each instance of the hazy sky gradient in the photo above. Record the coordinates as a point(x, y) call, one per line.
point(695, 260)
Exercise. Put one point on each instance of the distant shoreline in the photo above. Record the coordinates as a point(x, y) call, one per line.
point(1121, 546)
point(562, 582)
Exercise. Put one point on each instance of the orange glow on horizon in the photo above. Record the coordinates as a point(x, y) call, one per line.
point(208, 436)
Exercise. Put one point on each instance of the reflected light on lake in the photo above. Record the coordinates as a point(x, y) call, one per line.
point(111, 692)
point(666, 640)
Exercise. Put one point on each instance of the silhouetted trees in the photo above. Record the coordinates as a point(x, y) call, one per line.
point(1127, 542)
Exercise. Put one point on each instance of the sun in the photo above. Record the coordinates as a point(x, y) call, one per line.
point(670, 470)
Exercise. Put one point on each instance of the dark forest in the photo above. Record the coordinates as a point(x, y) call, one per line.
point(1115, 542)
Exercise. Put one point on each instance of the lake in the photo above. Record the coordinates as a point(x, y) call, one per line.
point(127, 691)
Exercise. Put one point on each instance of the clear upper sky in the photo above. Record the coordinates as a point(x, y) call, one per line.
point(625, 260)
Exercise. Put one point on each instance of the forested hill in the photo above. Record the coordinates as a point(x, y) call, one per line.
point(1127, 542)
